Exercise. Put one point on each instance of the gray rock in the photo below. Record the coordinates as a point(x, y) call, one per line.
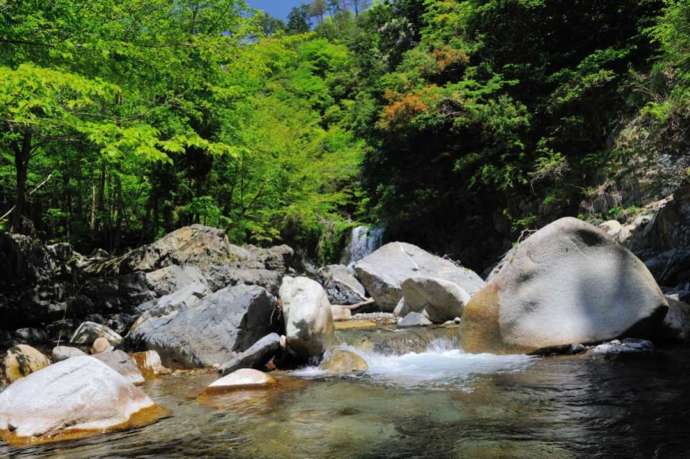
point(625, 346)
point(210, 332)
point(383, 272)
point(31, 336)
point(123, 364)
point(88, 332)
point(567, 283)
point(61, 353)
point(414, 319)
point(256, 356)
point(182, 299)
point(174, 278)
point(676, 325)
point(341, 285)
point(440, 300)
point(308, 318)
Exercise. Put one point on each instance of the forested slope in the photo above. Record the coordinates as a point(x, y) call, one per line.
point(456, 124)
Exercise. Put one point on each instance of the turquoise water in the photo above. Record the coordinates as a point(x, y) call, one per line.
point(437, 402)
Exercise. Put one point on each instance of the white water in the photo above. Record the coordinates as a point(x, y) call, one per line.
point(363, 241)
point(439, 366)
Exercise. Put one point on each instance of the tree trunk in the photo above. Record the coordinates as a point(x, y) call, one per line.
point(22, 153)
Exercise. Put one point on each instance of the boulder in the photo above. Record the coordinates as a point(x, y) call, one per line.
point(383, 272)
point(150, 364)
point(341, 285)
point(440, 300)
point(257, 356)
point(245, 378)
point(88, 332)
point(123, 364)
point(31, 335)
point(101, 345)
point(624, 346)
point(414, 319)
point(213, 330)
point(61, 353)
point(308, 318)
point(677, 322)
point(567, 283)
point(22, 360)
point(74, 398)
point(615, 230)
point(173, 278)
point(176, 301)
point(342, 362)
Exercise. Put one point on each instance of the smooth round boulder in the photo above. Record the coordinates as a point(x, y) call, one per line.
point(75, 398)
point(101, 345)
point(245, 378)
point(308, 318)
point(60, 353)
point(22, 360)
point(567, 283)
point(342, 362)
point(440, 300)
point(383, 272)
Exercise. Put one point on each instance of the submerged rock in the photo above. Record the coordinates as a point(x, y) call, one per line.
point(440, 300)
point(383, 272)
point(22, 360)
point(308, 318)
point(627, 345)
point(246, 378)
point(257, 356)
point(71, 399)
point(212, 331)
point(123, 364)
point(342, 362)
point(567, 283)
point(88, 332)
point(61, 353)
point(341, 285)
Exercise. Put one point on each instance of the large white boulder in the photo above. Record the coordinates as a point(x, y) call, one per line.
point(308, 318)
point(439, 299)
point(73, 398)
point(383, 272)
point(568, 283)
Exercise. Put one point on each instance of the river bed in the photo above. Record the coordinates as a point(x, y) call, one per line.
point(432, 402)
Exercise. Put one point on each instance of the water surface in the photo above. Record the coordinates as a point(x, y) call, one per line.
point(437, 402)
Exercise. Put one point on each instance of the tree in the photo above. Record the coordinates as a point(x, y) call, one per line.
point(317, 9)
point(298, 19)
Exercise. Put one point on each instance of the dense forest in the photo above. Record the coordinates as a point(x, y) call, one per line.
point(456, 124)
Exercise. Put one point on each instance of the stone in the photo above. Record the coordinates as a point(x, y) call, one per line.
point(212, 331)
point(173, 278)
point(341, 313)
point(71, 399)
point(88, 332)
point(383, 272)
point(441, 300)
point(676, 327)
point(342, 362)
point(414, 319)
point(150, 364)
point(625, 346)
point(22, 360)
point(176, 301)
point(101, 345)
point(309, 325)
point(341, 285)
point(60, 353)
point(31, 335)
point(615, 230)
point(123, 364)
point(257, 356)
point(567, 283)
point(245, 378)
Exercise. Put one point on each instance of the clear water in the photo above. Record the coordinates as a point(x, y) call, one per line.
point(435, 403)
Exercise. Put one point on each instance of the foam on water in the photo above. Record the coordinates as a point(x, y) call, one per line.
point(440, 365)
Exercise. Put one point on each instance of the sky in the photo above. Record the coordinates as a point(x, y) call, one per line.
point(277, 8)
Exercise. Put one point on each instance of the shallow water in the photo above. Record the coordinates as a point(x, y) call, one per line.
point(435, 403)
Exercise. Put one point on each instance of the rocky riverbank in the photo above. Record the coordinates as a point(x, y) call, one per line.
point(193, 300)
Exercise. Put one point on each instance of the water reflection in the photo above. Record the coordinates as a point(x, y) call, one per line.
point(532, 408)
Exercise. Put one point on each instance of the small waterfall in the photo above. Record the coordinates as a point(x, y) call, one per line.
point(363, 241)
